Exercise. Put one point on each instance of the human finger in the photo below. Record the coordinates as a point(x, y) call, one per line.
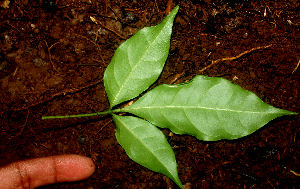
point(37, 172)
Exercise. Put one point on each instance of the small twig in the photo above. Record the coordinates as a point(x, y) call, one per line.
point(62, 93)
point(102, 127)
point(98, 60)
point(53, 45)
point(178, 76)
point(169, 4)
point(15, 72)
point(14, 27)
point(296, 67)
point(295, 173)
point(107, 28)
point(50, 56)
point(118, 17)
point(98, 47)
point(214, 62)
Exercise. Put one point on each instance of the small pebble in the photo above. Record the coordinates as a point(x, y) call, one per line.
point(245, 35)
point(38, 62)
point(81, 140)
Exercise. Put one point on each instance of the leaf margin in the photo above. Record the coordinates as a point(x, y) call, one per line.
point(168, 161)
point(199, 134)
point(135, 88)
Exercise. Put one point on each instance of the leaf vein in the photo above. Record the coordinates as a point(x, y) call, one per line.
point(199, 107)
point(194, 124)
point(137, 64)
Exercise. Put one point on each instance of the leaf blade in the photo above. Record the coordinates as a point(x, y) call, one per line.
point(146, 145)
point(208, 108)
point(138, 62)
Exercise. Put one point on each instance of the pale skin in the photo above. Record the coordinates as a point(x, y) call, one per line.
point(37, 172)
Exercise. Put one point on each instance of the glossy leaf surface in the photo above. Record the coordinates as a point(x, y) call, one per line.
point(146, 145)
point(138, 62)
point(208, 108)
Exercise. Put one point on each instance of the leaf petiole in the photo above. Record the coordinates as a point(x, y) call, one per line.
point(78, 115)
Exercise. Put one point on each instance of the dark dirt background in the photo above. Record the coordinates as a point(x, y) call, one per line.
point(52, 60)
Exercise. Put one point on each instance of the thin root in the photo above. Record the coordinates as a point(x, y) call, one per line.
point(62, 93)
point(107, 28)
point(50, 55)
point(98, 47)
point(296, 67)
point(214, 62)
point(295, 173)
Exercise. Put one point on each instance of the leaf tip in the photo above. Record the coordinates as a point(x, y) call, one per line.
point(292, 113)
point(176, 8)
point(287, 112)
point(173, 13)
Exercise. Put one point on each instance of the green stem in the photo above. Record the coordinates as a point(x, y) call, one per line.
point(80, 115)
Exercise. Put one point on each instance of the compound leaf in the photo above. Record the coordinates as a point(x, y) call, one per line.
point(147, 145)
point(208, 108)
point(138, 62)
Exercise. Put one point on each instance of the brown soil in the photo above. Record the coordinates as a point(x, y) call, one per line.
point(52, 61)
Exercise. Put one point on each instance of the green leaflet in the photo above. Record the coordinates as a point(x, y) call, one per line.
point(138, 62)
point(146, 145)
point(208, 108)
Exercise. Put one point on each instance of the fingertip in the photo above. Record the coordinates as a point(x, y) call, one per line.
point(73, 167)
